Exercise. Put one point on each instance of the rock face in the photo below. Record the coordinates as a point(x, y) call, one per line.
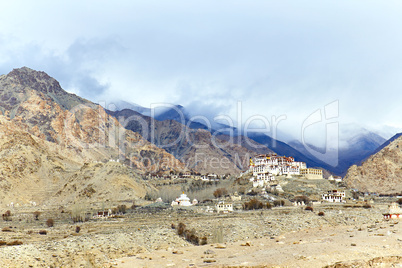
point(47, 135)
point(381, 172)
point(198, 148)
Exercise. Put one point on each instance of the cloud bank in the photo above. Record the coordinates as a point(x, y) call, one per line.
point(275, 57)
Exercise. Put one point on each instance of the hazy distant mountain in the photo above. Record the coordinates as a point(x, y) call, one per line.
point(220, 145)
point(355, 149)
point(356, 143)
point(382, 171)
point(121, 105)
point(179, 114)
point(198, 148)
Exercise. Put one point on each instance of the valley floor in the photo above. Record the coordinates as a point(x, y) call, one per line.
point(344, 246)
point(281, 237)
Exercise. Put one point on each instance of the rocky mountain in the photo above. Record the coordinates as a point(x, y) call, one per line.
point(254, 142)
point(386, 143)
point(35, 170)
point(357, 143)
point(381, 172)
point(51, 138)
point(38, 104)
point(198, 148)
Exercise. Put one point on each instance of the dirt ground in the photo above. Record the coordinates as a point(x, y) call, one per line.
point(317, 247)
point(280, 237)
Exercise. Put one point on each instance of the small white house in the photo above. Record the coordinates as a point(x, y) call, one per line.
point(263, 179)
point(223, 207)
point(334, 196)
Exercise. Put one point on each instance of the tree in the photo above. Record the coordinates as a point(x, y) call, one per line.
point(253, 204)
point(220, 192)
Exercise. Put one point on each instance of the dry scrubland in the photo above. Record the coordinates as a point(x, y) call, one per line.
point(284, 237)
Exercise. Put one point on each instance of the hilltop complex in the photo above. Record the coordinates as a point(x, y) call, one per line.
point(265, 166)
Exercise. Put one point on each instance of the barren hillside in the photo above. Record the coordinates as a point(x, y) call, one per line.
point(57, 147)
point(381, 172)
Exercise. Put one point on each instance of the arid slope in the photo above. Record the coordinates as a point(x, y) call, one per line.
point(381, 172)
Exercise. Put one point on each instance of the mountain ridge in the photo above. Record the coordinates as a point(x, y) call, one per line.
point(65, 154)
point(381, 172)
point(196, 147)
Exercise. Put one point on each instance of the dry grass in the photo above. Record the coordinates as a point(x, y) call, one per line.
point(14, 243)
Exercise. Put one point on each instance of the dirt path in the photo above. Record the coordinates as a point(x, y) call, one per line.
point(306, 248)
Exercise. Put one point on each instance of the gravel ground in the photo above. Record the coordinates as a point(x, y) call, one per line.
point(101, 242)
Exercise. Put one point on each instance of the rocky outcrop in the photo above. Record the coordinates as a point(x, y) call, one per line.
point(57, 147)
point(381, 172)
point(35, 170)
point(37, 104)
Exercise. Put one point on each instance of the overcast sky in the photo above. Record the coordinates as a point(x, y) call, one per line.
point(275, 57)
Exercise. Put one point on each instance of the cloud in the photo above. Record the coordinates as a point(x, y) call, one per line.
point(275, 57)
point(79, 69)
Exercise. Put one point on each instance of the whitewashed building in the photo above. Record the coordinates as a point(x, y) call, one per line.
point(334, 196)
point(394, 212)
point(223, 207)
point(311, 173)
point(276, 165)
point(263, 179)
point(182, 201)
